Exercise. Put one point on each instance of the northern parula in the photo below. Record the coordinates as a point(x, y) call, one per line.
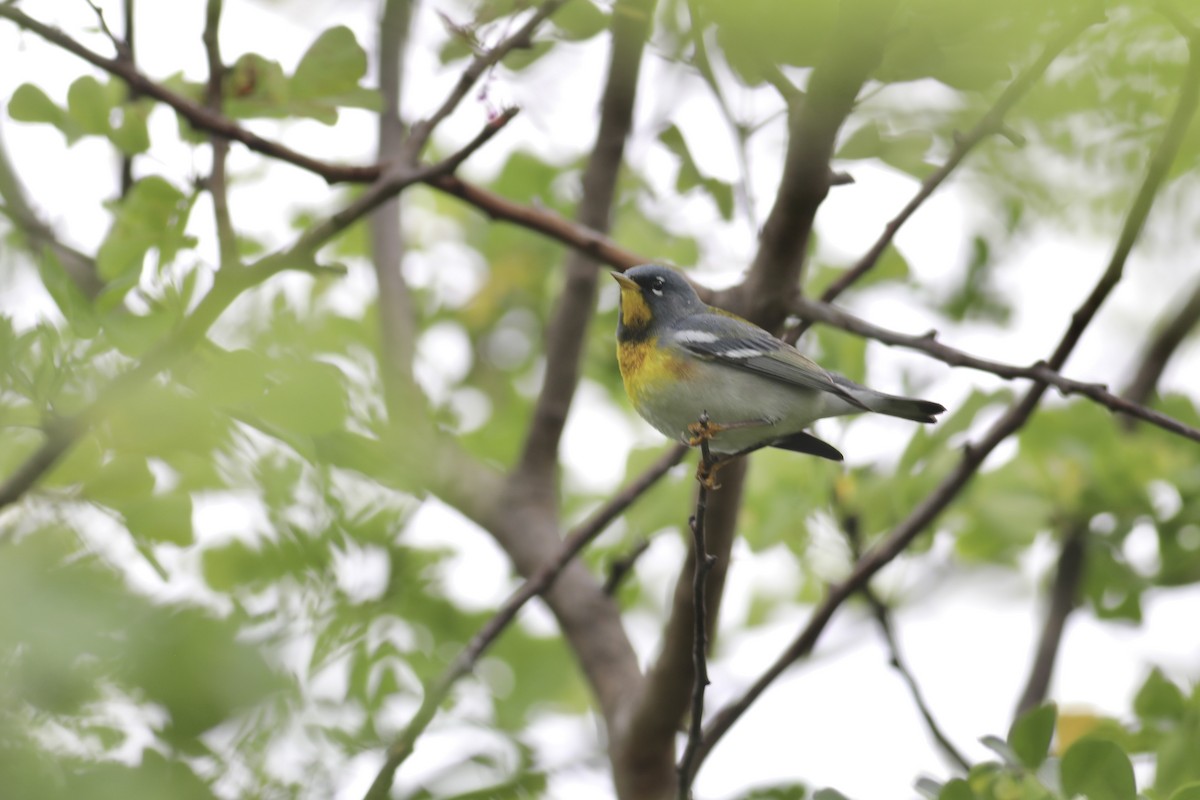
point(680, 359)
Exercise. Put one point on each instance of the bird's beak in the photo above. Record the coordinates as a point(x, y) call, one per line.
point(626, 283)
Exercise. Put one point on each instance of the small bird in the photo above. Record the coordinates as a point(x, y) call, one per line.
point(698, 373)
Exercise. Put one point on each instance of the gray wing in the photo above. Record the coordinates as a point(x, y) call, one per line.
point(737, 343)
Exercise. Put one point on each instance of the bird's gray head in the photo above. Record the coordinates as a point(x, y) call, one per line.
point(653, 292)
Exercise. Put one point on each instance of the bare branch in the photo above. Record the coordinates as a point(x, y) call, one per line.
point(1160, 349)
point(622, 566)
point(217, 183)
point(482, 62)
point(883, 617)
point(1072, 556)
point(991, 122)
point(667, 693)
point(1063, 599)
point(119, 44)
point(37, 234)
point(396, 310)
point(543, 221)
point(567, 332)
point(1011, 421)
point(1041, 372)
point(537, 584)
point(703, 564)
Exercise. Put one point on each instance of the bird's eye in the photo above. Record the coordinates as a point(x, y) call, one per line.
point(656, 286)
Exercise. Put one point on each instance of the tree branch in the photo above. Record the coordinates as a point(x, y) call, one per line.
point(37, 234)
point(200, 117)
point(482, 62)
point(567, 332)
point(991, 122)
point(539, 220)
point(229, 284)
point(1073, 552)
point(703, 564)
point(1041, 372)
point(1016, 416)
point(397, 314)
point(217, 184)
point(855, 49)
point(883, 618)
point(1063, 599)
point(537, 584)
point(1160, 349)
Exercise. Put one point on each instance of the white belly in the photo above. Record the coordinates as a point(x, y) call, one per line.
point(761, 408)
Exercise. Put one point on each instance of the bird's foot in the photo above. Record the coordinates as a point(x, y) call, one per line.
point(706, 472)
point(705, 430)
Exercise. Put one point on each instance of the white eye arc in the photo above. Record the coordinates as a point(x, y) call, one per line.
point(656, 286)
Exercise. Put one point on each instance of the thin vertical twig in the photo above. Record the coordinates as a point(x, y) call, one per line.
point(218, 182)
point(702, 565)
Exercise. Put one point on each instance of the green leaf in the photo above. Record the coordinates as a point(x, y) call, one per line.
point(580, 20)
point(87, 101)
point(1190, 791)
point(125, 479)
point(151, 215)
point(131, 135)
point(30, 104)
point(230, 377)
point(519, 58)
point(1099, 770)
point(161, 518)
point(956, 789)
point(690, 176)
point(67, 295)
point(306, 397)
point(332, 65)
point(1159, 699)
point(1030, 736)
point(828, 794)
point(196, 668)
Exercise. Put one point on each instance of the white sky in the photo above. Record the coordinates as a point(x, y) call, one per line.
point(968, 636)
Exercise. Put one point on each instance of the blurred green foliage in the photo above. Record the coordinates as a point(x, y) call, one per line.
point(228, 633)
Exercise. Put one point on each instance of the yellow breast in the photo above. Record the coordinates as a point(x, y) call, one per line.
point(646, 368)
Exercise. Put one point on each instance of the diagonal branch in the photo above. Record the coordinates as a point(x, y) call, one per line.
point(814, 310)
point(567, 332)
point(1160, 349)
point(992, 122)
point(202, 118)
point(37, 235)
point(883, 617)
point(1072, 556)
point(539, 220)
point(537, 584)
point(482, 62)
point(1011, 421)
